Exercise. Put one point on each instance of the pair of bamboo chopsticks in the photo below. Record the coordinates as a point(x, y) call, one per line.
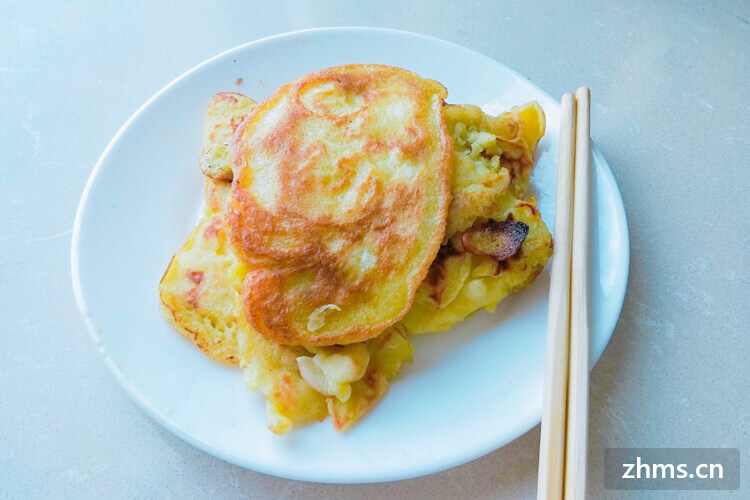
point(562, 452)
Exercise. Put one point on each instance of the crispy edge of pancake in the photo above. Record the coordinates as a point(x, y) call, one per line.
point(278, 302)
point(487, 282)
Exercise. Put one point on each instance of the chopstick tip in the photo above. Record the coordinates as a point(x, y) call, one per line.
point(568, 100)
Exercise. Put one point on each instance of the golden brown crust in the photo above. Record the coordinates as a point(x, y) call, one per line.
point(339, 202)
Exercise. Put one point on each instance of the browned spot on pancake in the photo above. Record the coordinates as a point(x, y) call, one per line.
point(338, 419)
point(211, 229)
point(499, 267)
point(236, 121)
point(436, 279)
point(386, 337)
point(498, 239)
point(372, 381)
point(192, 298)
point(195, 276)
point(516, 168)
point(436, 274)
point(533, 208)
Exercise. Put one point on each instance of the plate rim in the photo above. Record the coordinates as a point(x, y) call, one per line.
point(522, 428)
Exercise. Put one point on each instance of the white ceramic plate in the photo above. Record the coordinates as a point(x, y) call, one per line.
point(468, 391)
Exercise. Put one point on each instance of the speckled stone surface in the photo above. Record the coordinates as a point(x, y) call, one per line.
point(670, 112)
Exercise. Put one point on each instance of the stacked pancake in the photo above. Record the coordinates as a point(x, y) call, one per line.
point(351, 208)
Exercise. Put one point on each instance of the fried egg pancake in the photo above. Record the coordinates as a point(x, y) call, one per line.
point(497, 245)
point(339, 202)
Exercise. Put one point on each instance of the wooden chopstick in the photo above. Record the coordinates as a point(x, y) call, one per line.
point(563, 445)
point(578, 379)
point(552, 444)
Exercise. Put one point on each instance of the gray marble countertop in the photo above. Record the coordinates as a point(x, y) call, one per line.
point(671, 99)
